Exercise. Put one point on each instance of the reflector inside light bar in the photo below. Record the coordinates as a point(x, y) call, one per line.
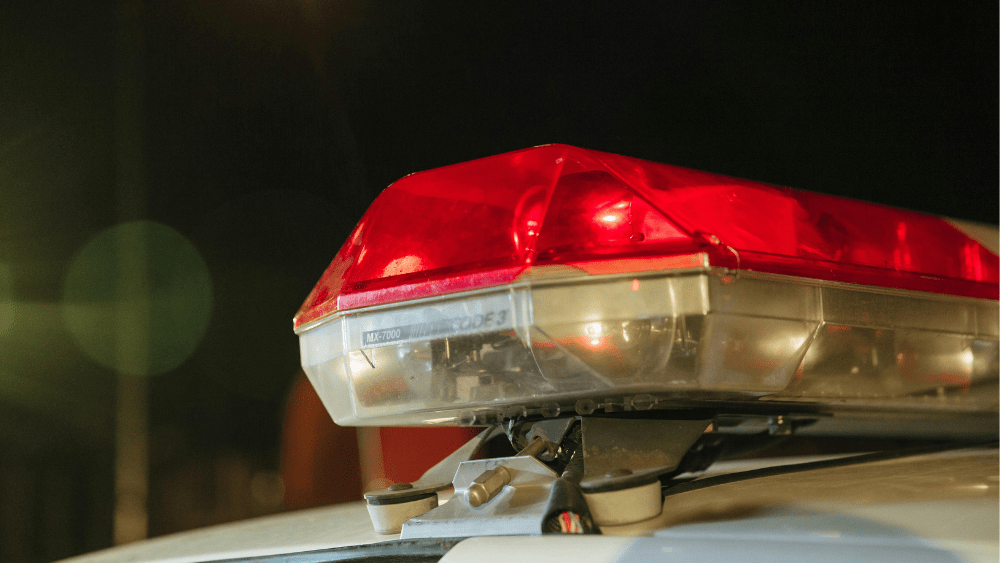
point(558, 280)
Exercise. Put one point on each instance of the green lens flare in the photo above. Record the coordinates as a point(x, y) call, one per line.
point(138, 298)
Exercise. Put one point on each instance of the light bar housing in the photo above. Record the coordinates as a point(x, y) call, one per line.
point(559, 280)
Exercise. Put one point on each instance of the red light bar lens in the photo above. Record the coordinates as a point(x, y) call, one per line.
point(483, 223)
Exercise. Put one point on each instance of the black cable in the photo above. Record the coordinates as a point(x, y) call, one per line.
point(567, 510)
point(808, 466)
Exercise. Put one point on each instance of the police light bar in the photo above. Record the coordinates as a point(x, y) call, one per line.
point(558, 280)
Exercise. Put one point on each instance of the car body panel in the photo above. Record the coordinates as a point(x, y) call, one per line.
point(603, 549)
point(306, 530)
point(940, 506)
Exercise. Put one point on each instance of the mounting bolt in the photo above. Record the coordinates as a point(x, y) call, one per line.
point(540, 448)
point(487, 485)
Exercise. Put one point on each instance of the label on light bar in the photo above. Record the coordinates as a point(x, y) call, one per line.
point(492, 320)
point(488, 313)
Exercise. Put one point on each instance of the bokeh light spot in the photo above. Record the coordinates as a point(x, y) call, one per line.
point(138, 298)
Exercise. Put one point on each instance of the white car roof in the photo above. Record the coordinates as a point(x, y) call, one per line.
point(933, 507)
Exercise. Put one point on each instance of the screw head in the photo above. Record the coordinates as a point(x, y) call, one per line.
point(400, 487)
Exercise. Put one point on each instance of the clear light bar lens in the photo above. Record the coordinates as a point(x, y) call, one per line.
point(656, 340)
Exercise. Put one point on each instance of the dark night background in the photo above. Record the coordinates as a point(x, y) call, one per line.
point(264, 128)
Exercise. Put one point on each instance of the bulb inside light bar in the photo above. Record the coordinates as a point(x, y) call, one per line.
point(556, 280)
